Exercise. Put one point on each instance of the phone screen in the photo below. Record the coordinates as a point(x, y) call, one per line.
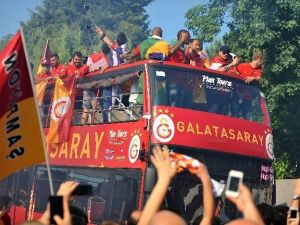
point(234, 184)
point(294, 213)
point(56, 207)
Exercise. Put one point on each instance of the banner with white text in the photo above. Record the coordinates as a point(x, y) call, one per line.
point(21, 142)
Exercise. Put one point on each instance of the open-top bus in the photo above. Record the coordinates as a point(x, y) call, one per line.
point(214, 117)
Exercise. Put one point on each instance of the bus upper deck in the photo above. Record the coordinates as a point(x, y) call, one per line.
point(214, 117)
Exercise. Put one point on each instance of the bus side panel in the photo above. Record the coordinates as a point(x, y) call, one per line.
point(184, 127)
point(107, 145)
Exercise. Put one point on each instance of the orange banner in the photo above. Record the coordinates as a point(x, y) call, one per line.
point(21, 142)
point(61, 112)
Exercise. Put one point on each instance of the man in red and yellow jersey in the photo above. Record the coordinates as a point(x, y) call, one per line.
point(252, 71)
point(196, 55)
point(75, 68)
point(56, 68)
point(177, 49)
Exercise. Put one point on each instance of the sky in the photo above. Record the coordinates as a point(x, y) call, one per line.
point(170, 17)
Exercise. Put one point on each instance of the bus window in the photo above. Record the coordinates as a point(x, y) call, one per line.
point(204, 91)
point(109, 100)
point(20, 187)
point(41, 186)
point(125, 196)
point(115, 192)
point(4, 184)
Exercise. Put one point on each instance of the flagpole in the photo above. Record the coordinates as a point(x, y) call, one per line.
point(38, 112)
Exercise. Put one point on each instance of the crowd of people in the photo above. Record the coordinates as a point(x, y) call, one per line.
point(154, 214)
point(185, 50)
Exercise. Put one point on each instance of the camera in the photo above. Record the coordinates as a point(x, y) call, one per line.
point(86, 7)
point(87, 27)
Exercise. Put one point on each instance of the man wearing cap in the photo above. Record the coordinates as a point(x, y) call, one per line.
point(224, 61)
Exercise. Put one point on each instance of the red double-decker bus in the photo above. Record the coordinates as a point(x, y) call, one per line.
point(214, 117)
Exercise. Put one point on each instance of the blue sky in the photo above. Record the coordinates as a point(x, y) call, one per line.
point(168, 16)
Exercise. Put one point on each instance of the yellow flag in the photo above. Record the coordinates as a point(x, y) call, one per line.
point(61, 112)
point(40, 89)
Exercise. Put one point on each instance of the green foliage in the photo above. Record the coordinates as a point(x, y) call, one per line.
point(214, 47)
point(283, 169)
point(274, 27)
point(206, 20)
point(4, 41)
point(63, 22)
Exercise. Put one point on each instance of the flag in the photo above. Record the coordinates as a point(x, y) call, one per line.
point(40, 89)
point(21, 143)
point(184, 162)
point(45, 59)
point(61, 112)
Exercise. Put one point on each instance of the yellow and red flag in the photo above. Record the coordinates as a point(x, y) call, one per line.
point(21, 143)
point(61, 112)
point(40, 89)
point(45, 59)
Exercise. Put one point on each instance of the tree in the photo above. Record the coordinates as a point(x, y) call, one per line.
point(274, 27)
point(4, 41)
point(282, 167)
point(213, 48)
point(64, 23)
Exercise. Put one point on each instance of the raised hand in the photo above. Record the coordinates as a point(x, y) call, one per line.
point(161, 160)
point(67, 188)
point(245, 204)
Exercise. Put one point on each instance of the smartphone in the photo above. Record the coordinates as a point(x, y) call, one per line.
point(293, 214)
point(83, 189)
point(235, 178)
point(56, 207)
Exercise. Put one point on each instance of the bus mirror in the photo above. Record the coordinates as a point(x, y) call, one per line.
point(147, 116)
point(150, 178)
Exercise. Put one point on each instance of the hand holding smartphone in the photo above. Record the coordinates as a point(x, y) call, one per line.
point(56, 207)
point(234, 180)
point(293, 213)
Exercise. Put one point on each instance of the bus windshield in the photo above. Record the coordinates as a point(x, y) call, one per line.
point(115, 191)
point(206, 91)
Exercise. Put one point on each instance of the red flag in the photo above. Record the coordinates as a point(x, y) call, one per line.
point(21, 143)
point(61, 112)
point(45, 59)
